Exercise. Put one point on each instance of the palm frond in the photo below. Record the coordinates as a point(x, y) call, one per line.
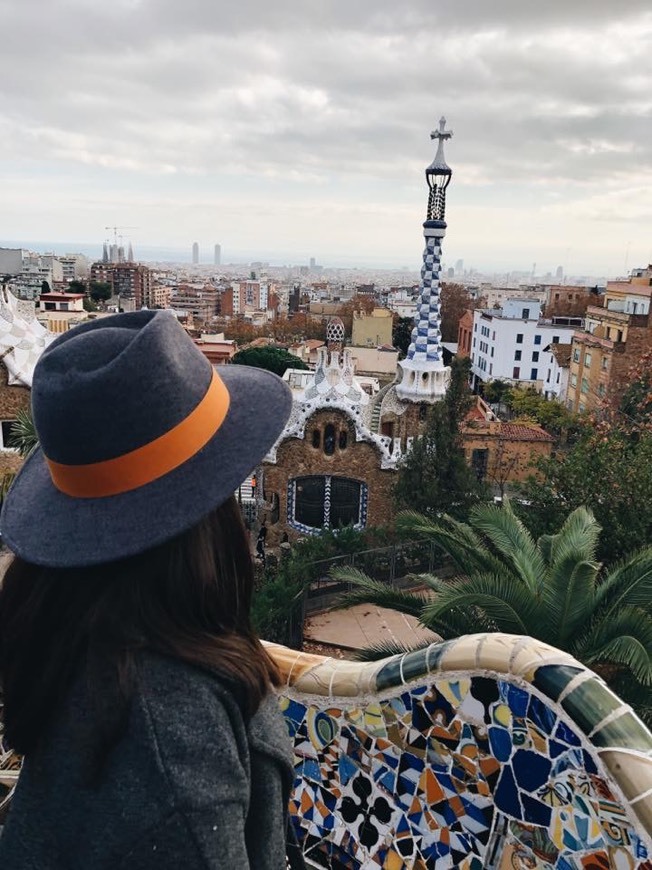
point(577, 538)
point(628, 583)
point(386, 649)
point(493, 600)
point(457, 621)
point(624, 639)
point(456, 539)
point(22, 435)
point(545, 545)
point(434, 583)
point(510, 537)
point(369, 591)
point(569, 596)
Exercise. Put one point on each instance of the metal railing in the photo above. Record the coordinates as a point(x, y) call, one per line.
point(392, 565)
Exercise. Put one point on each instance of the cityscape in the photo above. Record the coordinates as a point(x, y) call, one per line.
point(452, 534)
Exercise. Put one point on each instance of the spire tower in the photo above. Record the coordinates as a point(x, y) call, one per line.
point(423, 377)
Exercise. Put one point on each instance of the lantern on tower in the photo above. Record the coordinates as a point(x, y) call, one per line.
point(438, 175)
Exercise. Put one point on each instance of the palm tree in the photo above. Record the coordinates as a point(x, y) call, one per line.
point(23, 434)
point(23, 438)
point(553, 589)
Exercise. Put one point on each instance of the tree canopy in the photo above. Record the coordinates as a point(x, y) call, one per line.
point(608, 468)
point(549, 413)
point(608, 471)
point(553, 589)
point(495, 392)
point(633, 407)
point(274, 359)
point(455, 300)
point(100, 291)
point(402, 333)
point(299, 327)
point(434, 477)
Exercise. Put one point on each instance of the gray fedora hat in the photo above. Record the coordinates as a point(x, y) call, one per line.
point(140, 437)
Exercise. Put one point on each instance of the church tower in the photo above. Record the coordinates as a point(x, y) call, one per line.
point(422, 375)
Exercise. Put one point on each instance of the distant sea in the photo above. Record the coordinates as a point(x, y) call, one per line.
point(155, 254)
point(94, 251)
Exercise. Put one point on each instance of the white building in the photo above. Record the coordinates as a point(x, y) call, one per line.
point(75, 267)
point(557, 372)
point(508, 344)
point(11, 261)
point(61, 302)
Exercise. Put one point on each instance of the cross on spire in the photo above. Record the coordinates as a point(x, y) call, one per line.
point(442, 134)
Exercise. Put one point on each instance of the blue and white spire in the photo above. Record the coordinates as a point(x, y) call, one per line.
point(423, 377)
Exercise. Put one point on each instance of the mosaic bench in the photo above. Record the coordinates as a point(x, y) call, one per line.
point(490, 751)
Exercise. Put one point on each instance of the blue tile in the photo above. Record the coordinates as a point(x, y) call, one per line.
point(500, 741)
point(564, 733)
point(535, 812)
point(531, 769)
point(506, 794)
point(541, 715)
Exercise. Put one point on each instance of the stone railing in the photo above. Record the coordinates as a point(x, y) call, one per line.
point(490, 751)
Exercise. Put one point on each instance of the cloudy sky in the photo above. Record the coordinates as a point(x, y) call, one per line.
point(293, 128)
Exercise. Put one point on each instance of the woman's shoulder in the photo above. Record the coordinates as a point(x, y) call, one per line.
point(193, 709)
point(186, 694)
point(196, 727)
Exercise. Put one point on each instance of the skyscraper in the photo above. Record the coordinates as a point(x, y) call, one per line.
point(217, 258)
point(195, 253)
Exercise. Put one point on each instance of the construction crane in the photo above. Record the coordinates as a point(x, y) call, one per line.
point(117, 236)
point(115, 232)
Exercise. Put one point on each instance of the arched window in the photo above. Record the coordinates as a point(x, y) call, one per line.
point(329, 439)
point(323, 502)
point(344, 435)
point(316, 438)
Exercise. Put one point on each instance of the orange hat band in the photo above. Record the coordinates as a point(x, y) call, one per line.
point(151, 461)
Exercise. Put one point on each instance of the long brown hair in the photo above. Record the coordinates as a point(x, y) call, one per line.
point(188, 598)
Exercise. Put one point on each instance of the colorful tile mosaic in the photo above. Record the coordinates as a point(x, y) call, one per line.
point(470, 770)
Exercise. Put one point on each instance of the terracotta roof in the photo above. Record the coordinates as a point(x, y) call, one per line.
point(561, 353)
point(521, 432)
point(313, 343)
point(58, 297)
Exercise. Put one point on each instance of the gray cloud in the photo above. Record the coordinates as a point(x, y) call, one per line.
point(555, 95)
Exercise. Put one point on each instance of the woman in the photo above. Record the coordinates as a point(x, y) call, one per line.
point(132, 680)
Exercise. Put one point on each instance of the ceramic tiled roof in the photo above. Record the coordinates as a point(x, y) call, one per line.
point(521, 432)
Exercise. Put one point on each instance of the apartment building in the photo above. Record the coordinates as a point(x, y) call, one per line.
point(131, 282)
point(616, 334)
point(509, 343)
point(244, 298)
point(203, 303)
point(372, 330)
point(157, 296)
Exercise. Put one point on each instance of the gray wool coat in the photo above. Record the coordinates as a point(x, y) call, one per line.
point(190, 786)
